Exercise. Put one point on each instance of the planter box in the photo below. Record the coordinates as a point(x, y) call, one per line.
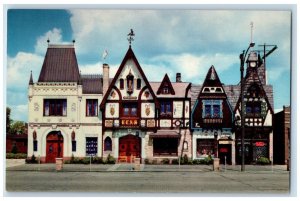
point(59, 163)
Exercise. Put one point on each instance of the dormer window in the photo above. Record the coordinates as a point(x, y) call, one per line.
point(165, 90)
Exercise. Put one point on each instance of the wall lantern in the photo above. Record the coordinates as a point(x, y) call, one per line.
point(34, 135)
point(73, 135)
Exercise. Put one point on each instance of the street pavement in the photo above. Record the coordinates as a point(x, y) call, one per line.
point(123, 178)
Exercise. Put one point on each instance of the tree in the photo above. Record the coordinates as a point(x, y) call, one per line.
point(18, 127)
point(8, 120)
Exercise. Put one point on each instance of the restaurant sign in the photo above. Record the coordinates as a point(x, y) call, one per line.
point(129, 122)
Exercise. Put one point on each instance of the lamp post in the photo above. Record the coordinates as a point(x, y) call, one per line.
point(242, 58)
point(216, 144)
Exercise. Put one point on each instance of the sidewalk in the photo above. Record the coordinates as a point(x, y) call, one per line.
point(127, 167)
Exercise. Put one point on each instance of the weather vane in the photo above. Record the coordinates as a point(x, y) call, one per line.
point(130, 36)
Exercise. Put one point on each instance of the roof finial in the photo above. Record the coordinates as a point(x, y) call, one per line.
point(73, 41)
point(30, 79)
point(130, 36)
point(48, 41)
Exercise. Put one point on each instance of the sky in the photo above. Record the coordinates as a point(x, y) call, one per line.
point(166, 41)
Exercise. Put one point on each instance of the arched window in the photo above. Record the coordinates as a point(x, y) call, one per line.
point(107, 144)
point(138, 83)
point(121, 83)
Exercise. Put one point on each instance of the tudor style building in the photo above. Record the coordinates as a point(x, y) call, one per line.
point(212, 120)
point(142, 119)
point(258, 110)
point(64, 118)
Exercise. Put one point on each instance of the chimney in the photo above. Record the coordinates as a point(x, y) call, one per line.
point(105, 78)
point(178, 77)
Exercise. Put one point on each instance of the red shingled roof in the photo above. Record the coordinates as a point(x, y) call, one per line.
point(60, 65)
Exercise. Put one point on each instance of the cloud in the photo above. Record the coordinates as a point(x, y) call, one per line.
point(18, 69)
point(193, 67)
point(176, 31)
point(55, 37)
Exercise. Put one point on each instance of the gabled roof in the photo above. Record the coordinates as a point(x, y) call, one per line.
point(211, 80)
point(181, 90)
point(165, 83)
point(60, 65)
point(92, 84)
point(129, 55)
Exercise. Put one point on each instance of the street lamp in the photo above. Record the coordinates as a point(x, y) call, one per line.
point(216, 144)
point(242, 58)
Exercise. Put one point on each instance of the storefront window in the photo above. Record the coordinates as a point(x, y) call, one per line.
point(205, 147)
point(165, 146)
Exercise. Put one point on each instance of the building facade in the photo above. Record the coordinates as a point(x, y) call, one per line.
point(142, 119)
point(129, 117)
point(282, 132)
point(258, 110)
point(212, 121)
point(64, 119)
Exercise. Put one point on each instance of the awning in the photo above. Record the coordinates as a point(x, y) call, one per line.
point(165, 134)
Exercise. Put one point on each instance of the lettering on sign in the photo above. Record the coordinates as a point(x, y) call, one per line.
point(259, 144)
point(129, 122)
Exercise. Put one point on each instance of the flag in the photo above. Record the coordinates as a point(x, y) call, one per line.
point(104, 54)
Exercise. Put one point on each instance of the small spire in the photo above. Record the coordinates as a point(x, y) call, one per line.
point(31, 79)
point(48, 41)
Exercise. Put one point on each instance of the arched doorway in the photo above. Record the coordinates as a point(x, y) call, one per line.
point(54, 147)
point(129, 146)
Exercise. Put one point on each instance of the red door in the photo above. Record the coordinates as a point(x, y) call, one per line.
point(55, 146)
point(129, 146)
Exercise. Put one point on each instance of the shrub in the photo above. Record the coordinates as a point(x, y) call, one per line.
point(165, 161)
point(263, 161)
point(97, 160)
point(86, 160)
point(190, 162)
point(110, 159)
point(175, 161)
point(185, 159)
point(14, 150)
point(208, 160)
point(16, 156)
point(146, 161)
point(154, 161)
point(31, 160)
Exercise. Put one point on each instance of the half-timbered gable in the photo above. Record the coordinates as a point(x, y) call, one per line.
point(128, 110)
point(129, 101)
point(258, 112)
point(212, 109)
point(212, 120)
point(173, 137)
